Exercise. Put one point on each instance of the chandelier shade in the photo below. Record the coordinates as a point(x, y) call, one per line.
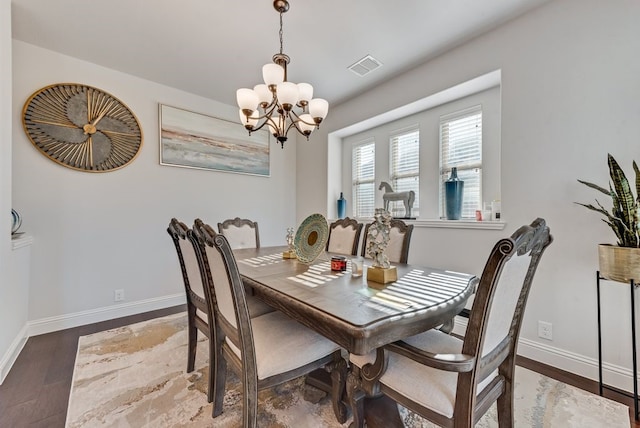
point(277, 103)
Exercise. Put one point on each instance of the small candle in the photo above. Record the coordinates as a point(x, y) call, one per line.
point(356, 267)
point(338, 264)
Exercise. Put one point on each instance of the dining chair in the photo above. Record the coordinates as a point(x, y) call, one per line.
point(399, 241)
point(199, 311)
point(263, 351)
point(240, 232)
point(450, 381)
point(344, 236)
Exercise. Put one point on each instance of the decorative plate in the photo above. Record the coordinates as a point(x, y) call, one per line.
point(311, 238)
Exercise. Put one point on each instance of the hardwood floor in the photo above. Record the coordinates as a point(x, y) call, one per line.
point(36, 390)
point(35, 393)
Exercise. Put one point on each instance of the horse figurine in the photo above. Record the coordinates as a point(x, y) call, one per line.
point(390, 195)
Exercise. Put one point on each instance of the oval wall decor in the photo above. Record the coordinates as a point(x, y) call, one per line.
point(82, 127)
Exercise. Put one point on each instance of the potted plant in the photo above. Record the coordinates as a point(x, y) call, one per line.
point(619, 262)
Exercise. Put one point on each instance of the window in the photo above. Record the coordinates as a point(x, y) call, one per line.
point(363, 179)
point(461, 147)
point(405, 169)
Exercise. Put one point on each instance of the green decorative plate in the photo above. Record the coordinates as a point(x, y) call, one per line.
point(311, 238)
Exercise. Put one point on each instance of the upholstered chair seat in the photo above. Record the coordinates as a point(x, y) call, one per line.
point(199, 312)
point(453, 382)
point(399, 241)
point(344, 236)
point(297, 345)
point(240, 232)
point(243, 233)
point(407, 377)
point(263, 351)
point(256, 308)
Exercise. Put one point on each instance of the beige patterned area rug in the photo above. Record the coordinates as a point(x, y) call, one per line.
point(135, 376)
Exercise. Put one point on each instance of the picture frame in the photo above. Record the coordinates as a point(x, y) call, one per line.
point(195, 140)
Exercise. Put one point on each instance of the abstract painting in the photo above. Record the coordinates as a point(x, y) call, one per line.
point(194, 140)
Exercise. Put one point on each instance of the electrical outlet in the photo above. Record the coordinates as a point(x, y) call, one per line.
point(545, 330)
point(118, 295)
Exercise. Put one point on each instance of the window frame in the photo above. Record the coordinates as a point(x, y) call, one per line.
point(394, 136)
point(428, 122)
point(462, 167)
point(357, 181)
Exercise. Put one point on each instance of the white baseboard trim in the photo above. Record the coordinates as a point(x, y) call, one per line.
point(616, 376)
point(12, 353)
point(587, 367)
point(61, 322)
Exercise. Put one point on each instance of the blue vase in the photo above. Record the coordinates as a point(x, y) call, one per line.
point(342, 206)
point(453, 189)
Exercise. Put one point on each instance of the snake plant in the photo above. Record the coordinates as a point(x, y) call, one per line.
point(623, 218)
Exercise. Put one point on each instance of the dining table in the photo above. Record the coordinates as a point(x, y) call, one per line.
point(356, 313)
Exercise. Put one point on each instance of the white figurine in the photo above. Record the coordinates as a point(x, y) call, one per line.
point(378, 238)
point(290, 238)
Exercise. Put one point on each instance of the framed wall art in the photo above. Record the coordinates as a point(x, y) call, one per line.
point(194, 140)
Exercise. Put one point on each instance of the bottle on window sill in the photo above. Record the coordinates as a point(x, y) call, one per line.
point(453, 189)
point(342, 206)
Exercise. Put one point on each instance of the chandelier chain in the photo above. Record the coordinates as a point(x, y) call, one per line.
point(281, 32)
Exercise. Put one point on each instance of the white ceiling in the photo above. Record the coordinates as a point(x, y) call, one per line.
point(211, 47)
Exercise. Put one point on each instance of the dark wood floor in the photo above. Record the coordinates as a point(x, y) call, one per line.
point(35, 393)
point(36, 390)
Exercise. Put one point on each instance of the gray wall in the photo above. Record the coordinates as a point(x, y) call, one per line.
point(570, 92)
point(95, 233)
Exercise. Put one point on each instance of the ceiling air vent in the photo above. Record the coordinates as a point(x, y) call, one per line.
point(365, 66)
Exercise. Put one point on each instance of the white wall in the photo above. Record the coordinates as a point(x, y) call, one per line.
point(13, 294)
point(570, 92)
point(97, 232)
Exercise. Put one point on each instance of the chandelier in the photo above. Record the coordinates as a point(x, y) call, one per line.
point(274, 103)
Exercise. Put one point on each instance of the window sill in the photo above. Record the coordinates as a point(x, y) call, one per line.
point(459, 224)
point(448, 224)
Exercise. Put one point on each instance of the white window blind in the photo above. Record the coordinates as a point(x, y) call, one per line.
point(363, 176)
point(405, 169)
point(461, 147)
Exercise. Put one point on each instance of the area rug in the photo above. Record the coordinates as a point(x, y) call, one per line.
point(135, 376)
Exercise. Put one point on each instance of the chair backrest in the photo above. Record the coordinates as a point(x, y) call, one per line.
point(498, 308)
point(240, 232)
point(232, 320)
point(188, 263)
point(344, 236)
point(399, 241)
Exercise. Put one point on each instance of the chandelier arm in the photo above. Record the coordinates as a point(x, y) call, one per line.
point(293, 125)
point(257, 128)
point(267, 119)
point(268, 111)
point(299, 119)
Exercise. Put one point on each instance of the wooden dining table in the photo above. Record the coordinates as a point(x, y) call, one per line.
point(358, 314)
